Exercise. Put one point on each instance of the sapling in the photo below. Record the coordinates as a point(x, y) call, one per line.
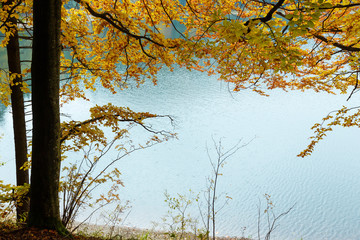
point(211, 195)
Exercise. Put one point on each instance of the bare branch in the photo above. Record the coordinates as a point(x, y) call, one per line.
point(355, 87)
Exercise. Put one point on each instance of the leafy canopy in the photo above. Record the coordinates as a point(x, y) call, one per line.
point(257, 45)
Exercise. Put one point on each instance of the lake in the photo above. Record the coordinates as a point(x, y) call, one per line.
point(325, 186)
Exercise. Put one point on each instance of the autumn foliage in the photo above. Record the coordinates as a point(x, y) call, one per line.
point(302, 45)
point(251, 44)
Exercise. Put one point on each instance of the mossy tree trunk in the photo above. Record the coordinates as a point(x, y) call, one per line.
point(18, 114)
point(45, 71)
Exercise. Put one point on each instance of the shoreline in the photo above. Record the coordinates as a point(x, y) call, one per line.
point(127, 232)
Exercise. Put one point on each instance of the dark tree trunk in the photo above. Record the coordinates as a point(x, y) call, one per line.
point(45, 71)
point(18, 114)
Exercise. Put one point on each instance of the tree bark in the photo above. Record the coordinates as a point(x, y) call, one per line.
point(45, 71)
point(18, 114)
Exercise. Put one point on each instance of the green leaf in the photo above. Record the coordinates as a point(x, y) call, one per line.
point(326, 5)
point(289, 16)
point(310, 24)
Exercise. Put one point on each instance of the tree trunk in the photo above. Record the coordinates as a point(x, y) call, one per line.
point(18, 114)
point(45, 71)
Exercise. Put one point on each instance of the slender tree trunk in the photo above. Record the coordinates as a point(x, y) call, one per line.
point(45, 71)
point(18, 114)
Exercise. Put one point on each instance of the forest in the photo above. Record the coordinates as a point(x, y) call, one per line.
point(77, 46)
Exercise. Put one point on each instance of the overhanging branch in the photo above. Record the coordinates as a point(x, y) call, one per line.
point(118, 25)
point(339, 45)
point(269, 15)
point(74, 128)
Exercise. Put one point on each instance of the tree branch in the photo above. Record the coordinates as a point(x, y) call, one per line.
point(93, 120)
point(9, 12)
point(117, 24)
point(349, 48)
point(268, 16)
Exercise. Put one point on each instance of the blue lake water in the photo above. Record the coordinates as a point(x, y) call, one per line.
point(324, 186)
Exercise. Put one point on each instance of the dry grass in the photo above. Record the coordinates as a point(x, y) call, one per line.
point(10, 231)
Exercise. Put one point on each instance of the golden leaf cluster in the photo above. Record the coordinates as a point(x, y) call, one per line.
point(257, 45)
